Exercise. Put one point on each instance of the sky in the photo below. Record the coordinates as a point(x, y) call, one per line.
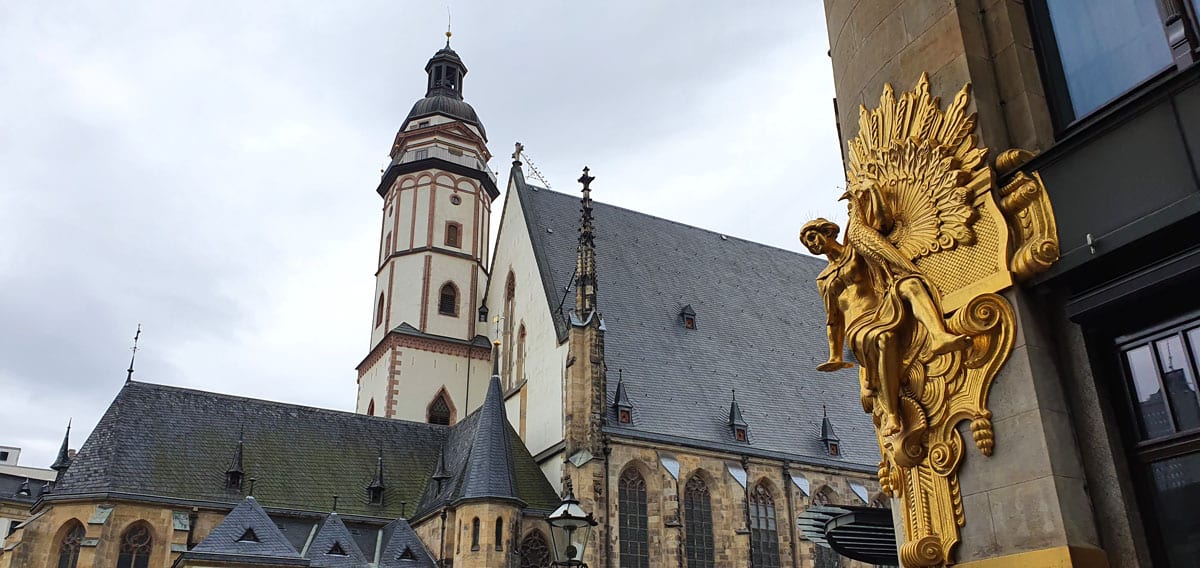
point(207, 169)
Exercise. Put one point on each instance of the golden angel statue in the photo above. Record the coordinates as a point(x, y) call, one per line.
point(911, 292)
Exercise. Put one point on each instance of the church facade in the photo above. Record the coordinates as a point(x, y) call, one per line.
point(665, 373)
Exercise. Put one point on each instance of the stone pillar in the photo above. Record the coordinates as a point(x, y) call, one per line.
point(1027, 505)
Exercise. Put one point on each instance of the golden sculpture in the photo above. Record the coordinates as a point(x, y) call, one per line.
point(912, 292)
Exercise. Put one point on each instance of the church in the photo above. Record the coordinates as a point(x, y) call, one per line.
point(663, 373)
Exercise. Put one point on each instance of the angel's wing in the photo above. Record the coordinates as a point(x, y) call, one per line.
point(920, 160)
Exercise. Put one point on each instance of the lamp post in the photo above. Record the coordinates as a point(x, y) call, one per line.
point(570, 530)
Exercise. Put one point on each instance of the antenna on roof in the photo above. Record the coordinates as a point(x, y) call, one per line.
point(129, 375)
point(520, 153)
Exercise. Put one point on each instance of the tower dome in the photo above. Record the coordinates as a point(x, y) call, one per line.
point(444, 92)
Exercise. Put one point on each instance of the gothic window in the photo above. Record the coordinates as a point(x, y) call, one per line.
point(499, 533)
point(764, 538)
point(453, 236)
point(439, 410)
point(136, 544)
point(475, 534)
point(371, 408)
point(631, 504)
point(520, 374)
point(387, 246)
point(510, 294)
point(379, 311)
point(68, 547)
point(697, 511)
point(535, 551)
point(448, 300)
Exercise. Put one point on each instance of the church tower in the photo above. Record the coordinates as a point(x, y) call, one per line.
point(430, 278)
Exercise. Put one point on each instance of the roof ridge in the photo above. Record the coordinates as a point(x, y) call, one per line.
point(161, 386)
point(806, 257)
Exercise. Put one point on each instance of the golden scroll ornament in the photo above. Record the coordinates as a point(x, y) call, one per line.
point(912, 292)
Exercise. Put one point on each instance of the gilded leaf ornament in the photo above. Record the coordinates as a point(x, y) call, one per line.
point(912, 292)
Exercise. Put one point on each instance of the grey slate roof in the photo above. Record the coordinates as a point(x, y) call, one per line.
point(332, 532)
point(483, 459)
point(270, 546)
point(760, 329)
point(167, 442)
point(403, 549)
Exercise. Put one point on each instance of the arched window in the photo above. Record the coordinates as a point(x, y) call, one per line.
point(379, 311)
point(535, 551)
point(371, 408)
point(136, 544)
point(510, 295)
point(475, 534)
point(499, 533)
point(697, 511)
point(387, 245)
point(631, 508)
point(453, 236)
point(448, 300)
point(825, 557)
point(68, 544)
point(764, 539)
point(520, 353)
point(439, 410)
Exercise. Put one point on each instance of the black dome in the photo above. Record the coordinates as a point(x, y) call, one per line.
point(449, 106)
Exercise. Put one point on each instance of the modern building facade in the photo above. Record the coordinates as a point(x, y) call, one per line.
point(1097, 440)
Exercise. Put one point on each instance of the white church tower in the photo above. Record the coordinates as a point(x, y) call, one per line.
point(428, 360)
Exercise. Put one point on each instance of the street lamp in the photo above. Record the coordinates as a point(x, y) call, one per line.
point(570, 529)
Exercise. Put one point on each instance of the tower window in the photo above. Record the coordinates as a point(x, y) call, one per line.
point(453, 234)
point(448, 300)
point(379, 311)
point(439, 410)
point(499, 533)
point(455, 199)
point(475, 534)
point(371, 408)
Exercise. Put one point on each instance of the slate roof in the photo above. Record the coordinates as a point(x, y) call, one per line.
point(168, 442)
point(403, 549)
point(267, 545)
point(760, 329)
point(332, 532)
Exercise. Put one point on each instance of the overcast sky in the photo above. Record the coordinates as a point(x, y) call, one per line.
point(208, 168)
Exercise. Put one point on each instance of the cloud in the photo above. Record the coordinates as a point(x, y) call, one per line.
point(208, 169)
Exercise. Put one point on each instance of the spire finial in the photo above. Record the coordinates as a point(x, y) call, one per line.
point(448, 32)
point(519, 147)
point(585, 269)
point(138, 334)
point(63, 461)
point(253, 480)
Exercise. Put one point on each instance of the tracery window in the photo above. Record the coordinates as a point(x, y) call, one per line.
point(764, 538)
point(448, 300)
point(439, 410)
point(136, 545)
point(634, 533)
point(697, 511)
point(535, 551)
point(68, 547)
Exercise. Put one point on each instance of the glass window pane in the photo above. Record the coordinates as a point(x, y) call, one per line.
point(1178, 382)
point(1176, 492)
point(1107, 47)
point(1151, 405)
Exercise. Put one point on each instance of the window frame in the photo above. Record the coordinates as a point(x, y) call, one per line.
point(762, 498)
point(1143, 451)
point(632, 491)
point(70, 542)
point(135, 559)
point(455, 228)
point(699, 549)
point(442, 299)
point(1063, 115)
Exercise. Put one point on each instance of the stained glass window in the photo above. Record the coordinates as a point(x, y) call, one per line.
point(697, 511)
point(68, 548)
point(535, 551)
point(764, 537)
point(136, 545)
point(634, 537)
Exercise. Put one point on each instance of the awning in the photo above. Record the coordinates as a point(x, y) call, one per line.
point(865, 534)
